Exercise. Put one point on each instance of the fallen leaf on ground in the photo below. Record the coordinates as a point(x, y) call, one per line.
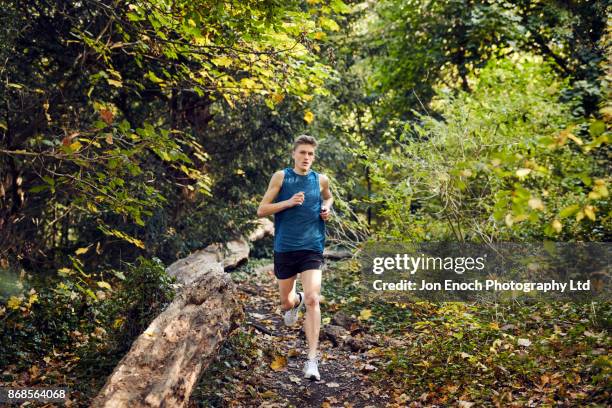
point(268, 394)
point(524, 342)
point(279, 363)
point(365, 314)
point(369, 367)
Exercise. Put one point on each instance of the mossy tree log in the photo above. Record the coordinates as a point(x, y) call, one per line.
point(165, 362)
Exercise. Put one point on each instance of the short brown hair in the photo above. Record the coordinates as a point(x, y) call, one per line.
point(304, 139)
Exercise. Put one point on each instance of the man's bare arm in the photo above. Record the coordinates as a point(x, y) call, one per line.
point(328, 199)
point(268, 207)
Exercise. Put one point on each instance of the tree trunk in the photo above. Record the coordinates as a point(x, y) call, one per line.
point(165, 361)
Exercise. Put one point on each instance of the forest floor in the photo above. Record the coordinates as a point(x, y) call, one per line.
point(380, 353)
point(393, 354)
point(262, 363)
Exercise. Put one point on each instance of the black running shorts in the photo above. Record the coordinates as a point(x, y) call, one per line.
point(289, 264)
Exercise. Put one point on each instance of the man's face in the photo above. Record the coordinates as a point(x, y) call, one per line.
point(303, 156)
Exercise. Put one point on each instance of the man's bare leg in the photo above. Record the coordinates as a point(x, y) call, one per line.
point(311, 281)
point(288, 297)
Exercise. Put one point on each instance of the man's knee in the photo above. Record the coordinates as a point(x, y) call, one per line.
point(312, 300)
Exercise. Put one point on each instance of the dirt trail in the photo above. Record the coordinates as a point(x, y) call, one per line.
point(344, 381)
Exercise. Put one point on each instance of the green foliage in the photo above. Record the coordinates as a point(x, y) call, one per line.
point(107, 108)
point(440, 40)
point(62, 319)
point(416, 45)
point(234, 49)
point(501, 163)
point(144, 293)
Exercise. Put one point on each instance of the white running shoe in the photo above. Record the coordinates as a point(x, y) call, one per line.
point(291, 315)
point(311, 370)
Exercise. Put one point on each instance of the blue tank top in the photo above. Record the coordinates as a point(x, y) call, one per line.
point(300, 227)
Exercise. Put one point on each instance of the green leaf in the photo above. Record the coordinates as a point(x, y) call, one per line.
point(104, 285)
point(139, 220)
point(597, 127)
point(569, 211)
point(39, 188)
point(585, 178)
point(49, 180)
point(65, 272)
point(164, 155)
point(122, 235)
point(222, 61)
point(124, 126)
point(113, 163)
point(154, 78)
point(339, 7)
point(118, 274)
point(114, 82)
point(329, 24)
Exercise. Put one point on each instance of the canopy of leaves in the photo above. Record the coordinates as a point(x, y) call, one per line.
point(105, 107)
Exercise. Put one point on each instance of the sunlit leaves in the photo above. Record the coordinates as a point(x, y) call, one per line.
point(308, 117)
point(122, 235)
point(599, 190)
point(522, 173)
point(222, 61)
point(535, 203)
point(338, 6)
point(104, 285)
point(13, 302)
point(81, 251)
point(216, 43)
point(569, 211)
point(503, 150)
point(329, 24)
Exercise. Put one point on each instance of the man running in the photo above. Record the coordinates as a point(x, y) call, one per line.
point(300, 200)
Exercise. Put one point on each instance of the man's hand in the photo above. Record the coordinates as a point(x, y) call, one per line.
point(296, 199)
point(325, 213)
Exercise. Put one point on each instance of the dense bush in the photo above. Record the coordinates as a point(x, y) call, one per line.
point(57, 318)
point(505, 161)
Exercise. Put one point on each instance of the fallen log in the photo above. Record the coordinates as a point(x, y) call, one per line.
point(265, 228)
point(165, 362)
point(337, 254)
